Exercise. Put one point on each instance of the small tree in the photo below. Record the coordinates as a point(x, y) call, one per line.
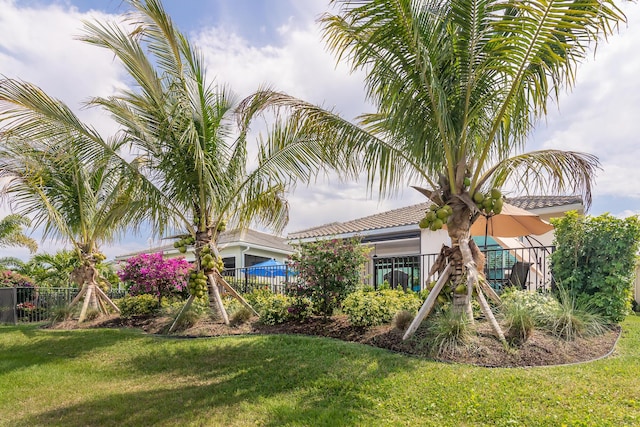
point(151, 274)
point(329, 270)
point(595, 260)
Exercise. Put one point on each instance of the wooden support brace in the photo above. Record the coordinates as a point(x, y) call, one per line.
point(77, 297)
point(85, 304)
point(107, 299)
point(489, 314)
point(427, 306)
point(234, 293)
point(184, 309)
point(218, 299)
point(489, 291)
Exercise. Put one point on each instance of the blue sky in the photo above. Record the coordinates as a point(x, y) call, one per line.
point(248, 43)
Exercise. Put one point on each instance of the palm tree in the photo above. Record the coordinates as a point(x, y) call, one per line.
point(192, 143)
point(11, 232)
point(84, 203)
point(459, 85)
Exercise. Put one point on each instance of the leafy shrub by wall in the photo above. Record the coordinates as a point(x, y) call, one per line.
point(329, 270)
point(371, 308)
point(275, 308)
point(595, 260)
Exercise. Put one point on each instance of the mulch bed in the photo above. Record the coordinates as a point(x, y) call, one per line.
point(484, 349)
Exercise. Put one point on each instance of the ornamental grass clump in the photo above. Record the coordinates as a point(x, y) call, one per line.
point(575, 318)
point(524, 311)
point(447, 331)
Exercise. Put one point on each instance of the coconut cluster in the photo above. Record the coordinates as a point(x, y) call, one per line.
point(489, 203)
point(182, 244)
point(197, 284)
point(208, 262)
point(436, 217)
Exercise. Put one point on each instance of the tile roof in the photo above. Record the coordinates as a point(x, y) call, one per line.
point(411, 215)
point(256, 238)
point(539, 202)
point(251, 237)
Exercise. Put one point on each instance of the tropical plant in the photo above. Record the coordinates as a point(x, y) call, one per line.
point(458, 86)
point(48, 177)
point(191, 137)
point(11, 232)
point(329, 270)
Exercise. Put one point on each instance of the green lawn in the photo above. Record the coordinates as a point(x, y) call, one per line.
point(120, 377)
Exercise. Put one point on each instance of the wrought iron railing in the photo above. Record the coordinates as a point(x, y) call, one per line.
point(523, 267)
point(38, 304)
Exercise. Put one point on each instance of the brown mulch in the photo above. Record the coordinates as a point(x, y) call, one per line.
point(484, 349)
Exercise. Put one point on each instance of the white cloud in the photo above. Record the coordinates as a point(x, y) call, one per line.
point(600, 116)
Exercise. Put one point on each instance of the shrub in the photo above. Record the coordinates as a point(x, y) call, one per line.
point(275, 310)
point(329, 270)
point(371, 308)
point(139, 305)
point(595, 259)
point(152, 274)
point(11, 279)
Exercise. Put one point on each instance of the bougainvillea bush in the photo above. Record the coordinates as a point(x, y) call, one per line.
point(154, 275)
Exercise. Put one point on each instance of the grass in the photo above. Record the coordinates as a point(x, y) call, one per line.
point(125, 378)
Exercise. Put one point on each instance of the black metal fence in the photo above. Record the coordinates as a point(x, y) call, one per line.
point(246, 279)
point(38, 304)
point(525, 268)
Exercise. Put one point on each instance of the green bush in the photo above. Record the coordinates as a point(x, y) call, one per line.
point(595, 260)
point(371, 308)
point(276, 308)
point(139, 305)
point(540, 305)
point(329, 270)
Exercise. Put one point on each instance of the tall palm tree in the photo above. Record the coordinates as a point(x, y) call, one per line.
point(192, 142)
point(459, 85)
point(11, 232)
point(84, 203)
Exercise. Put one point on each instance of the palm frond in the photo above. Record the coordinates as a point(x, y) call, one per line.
point(546, 172)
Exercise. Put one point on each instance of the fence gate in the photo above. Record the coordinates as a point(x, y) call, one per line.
point(8, 301)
